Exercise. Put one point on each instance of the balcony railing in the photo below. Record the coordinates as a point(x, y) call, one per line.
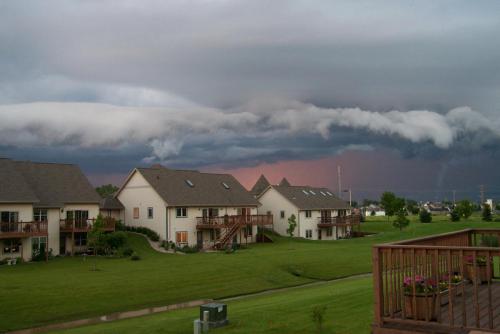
point(23, 229)
point(440, 284)
point(339, 221)
point(224, 221)
point(76, 225)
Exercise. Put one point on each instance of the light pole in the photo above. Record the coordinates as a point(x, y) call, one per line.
point(350, 195)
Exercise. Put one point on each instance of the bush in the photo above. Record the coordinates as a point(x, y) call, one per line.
point(39, 255)
point(455, 216)
point(127, 251)
point(318, 316)
point(152, 235)
point(119, 226)
point(188, 250)
point(116, 240)
point(2, 262)
point(425, 216)
point(135, 257)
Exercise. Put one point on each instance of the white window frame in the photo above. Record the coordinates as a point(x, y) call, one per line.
point(183, 212)
point(308, 213)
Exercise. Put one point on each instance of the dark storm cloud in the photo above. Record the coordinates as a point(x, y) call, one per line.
point(200, 82)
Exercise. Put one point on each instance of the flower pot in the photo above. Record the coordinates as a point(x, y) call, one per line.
point(425, 306)
point(479, 274)
point(454, 290)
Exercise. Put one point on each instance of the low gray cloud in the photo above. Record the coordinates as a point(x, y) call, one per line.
point(190, 135)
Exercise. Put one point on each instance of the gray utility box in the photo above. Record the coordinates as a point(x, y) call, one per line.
point(217, 314)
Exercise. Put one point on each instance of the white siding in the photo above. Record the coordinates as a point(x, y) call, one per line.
point(138, 193)
point(272, 201)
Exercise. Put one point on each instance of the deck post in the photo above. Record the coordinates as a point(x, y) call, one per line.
point(377, 286)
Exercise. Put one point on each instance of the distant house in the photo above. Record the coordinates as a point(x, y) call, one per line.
point(436, 208)
point(188, 207)
point(320, 215)
point(373, 210)
point(44, 205)
point(112, 207)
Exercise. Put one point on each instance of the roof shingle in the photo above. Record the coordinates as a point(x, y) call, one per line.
point(311, 198)
point(208, 189)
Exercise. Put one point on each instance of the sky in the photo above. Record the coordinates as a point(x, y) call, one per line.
point(403, 95)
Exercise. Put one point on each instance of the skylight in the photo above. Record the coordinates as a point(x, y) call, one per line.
point(189, 183)
point(312, 192)
point(305, 192)
point(225, 185)
point(322, 193)
point(329, 193)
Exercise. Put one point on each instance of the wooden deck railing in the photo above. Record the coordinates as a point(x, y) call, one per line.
point(339, 221)
point(23, 229)
point(440, 283)
point(75, 225)
point(224, 221)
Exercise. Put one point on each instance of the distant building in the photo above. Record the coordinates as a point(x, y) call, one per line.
point(373, 210)
point(436, 208)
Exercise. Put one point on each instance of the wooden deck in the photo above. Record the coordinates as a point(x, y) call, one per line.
point(474, 302)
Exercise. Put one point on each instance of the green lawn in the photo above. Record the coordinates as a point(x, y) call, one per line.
point(348, 310)
point(66, 288)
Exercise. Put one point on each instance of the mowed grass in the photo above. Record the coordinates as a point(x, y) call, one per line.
point(34, 294)
point(348, 310)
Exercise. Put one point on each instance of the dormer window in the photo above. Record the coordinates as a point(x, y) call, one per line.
point(189, 183)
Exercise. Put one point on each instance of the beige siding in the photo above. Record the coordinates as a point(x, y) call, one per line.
point(139, 193)
point(274, 202)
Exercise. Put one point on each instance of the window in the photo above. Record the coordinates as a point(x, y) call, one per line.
point(80, 239)
point(308, 213)
point(11, 246)
point(282, 214)
point(181, 237)
point(150, 213)
point(181, 212)
point(38, 244)
point(225, 185)
point(79, 216)
point(40, 215)
point(189, 183)
point(329, 232)
point(305, 192)
point(249, 231)
point(309, 234)
point(136, 213)
point(9, 217)
point(210, 212)
point(312, 192)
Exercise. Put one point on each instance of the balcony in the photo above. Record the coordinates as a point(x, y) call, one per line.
point(23, 229)
point(226, 221)
point(350, 220)
point(445, 283)
point(72, 225)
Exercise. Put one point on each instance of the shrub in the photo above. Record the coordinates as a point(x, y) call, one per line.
point(4, 261)
point(455, 216)
point(318, 316)
point(119, 226)
point(116, 240)
point(425, 216)
point(39, 255)
point(189, 250)
point(152, 235)
point(135, 257)
point(127, 251)
point(487, 216)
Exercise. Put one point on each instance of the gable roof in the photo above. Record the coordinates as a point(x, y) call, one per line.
point(207, 189)
point(311, 198)
point(284, 182)
point(259, 186)
point(111, 203)
point(13, 187)
point(52, 184)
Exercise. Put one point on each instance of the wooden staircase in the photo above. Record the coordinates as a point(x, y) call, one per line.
point(233, 226)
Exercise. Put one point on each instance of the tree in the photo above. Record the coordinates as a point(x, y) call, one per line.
point(106, 190)
point(455, 216)
point(318, 316)
point(465, 208)
point(412, 207)
point(401, 220)
point(292, 224)
point(487, 217)
point(425, 216)
point(391, 203)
